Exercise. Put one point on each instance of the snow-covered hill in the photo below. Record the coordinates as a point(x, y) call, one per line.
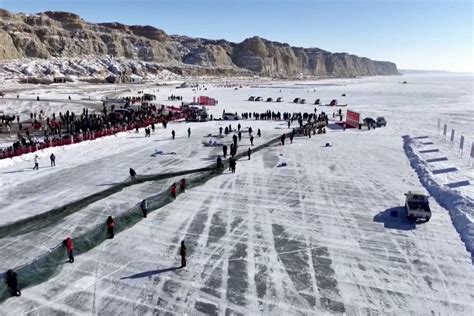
point(87, 68)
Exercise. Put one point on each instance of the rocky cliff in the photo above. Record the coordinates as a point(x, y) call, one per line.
point(65, 35)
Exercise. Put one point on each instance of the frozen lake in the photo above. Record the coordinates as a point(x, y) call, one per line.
point(324, 235)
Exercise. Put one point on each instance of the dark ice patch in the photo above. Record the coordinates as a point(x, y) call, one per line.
point(270, 160)
point(237, 275)
point(213, 283)
point(80, 301)
point(236, 222)
point(326, 280)
point(294, 261)
point(197, 225)
point(206, 308)
point(171, 287)
point(231, 312)
point(261, 279)
point(217, 229)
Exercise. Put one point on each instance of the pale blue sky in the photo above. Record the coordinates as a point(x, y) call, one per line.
point(418, 34)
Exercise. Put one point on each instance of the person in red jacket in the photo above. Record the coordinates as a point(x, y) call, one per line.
point(173, 190)
point(110, 227)
point(70, 249)
point(182, 185)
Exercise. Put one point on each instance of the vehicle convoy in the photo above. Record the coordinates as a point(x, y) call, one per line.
point(230, 117)
point(417, 206)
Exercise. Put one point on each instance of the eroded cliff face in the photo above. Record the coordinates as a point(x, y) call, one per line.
point(61, 34)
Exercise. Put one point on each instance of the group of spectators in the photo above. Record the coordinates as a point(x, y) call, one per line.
point(77, 127)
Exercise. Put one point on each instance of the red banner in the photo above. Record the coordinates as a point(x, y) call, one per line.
point(203, 100)
point(352, 119)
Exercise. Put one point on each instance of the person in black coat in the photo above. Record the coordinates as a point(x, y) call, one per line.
point(220, 165)
point(224, 150)
point(249, 153)
point(12, 283)
point(132, 174)
point(144, 207)
point(52, 157)
point(232, 164)
point(110, 227)
point(173, 134)
point(182, 253)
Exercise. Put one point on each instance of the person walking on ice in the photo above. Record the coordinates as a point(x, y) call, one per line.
point(144, 207)
point(182, 185)
point(70, 249)
point(220, 165)
point(36, 167)
point(173, 134)
point(110, 227)
point(53, 160)
point(224, 151)
point(173, 190)
point(249, 152)
point(282, 139)
point(189, 132)
point(232, 164)
point(182, 253)
point(12, 283)
point(133, 174)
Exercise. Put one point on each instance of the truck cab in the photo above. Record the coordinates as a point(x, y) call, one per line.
point(417, 206)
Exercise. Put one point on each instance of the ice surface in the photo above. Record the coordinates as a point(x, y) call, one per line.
point(326, 234)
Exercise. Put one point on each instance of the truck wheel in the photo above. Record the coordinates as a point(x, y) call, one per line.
point(427, 218)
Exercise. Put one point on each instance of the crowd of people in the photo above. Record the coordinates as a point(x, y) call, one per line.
point(71, 124)
point(69, 127)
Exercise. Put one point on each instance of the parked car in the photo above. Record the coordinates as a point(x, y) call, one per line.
point(417, 206)
point(381, 121)
point(302, 101)
point(317, 102)
point(252, 98)
point(369, 122)
point(230, 117)
point(280, 99)
point(296, 100)
point(258, 99)
point(269, 100)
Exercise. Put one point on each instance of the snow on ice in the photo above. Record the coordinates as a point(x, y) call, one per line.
point(325, 234)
